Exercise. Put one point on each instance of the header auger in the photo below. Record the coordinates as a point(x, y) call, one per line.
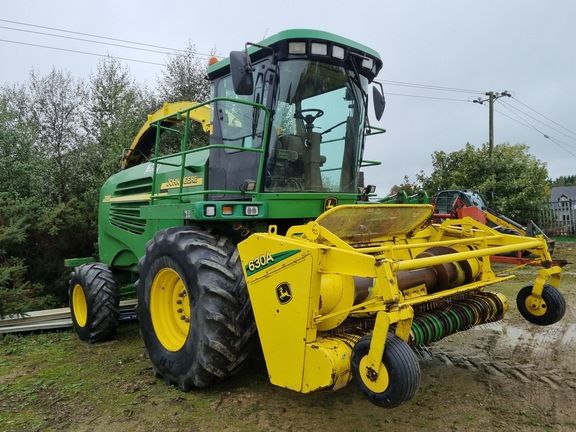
point(245, 217)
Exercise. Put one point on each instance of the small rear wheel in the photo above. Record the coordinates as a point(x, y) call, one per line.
point(545, 310)
point(94, 302)
point(398, 378)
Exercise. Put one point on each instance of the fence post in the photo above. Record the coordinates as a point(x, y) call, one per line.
point(572, 221)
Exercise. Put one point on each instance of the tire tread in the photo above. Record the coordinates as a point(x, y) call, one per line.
point(228, 330)
point(102, 298)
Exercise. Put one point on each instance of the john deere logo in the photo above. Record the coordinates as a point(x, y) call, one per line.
point(283, 293)
point(330, 203)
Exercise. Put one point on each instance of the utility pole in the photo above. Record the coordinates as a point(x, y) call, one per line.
point(492, 96)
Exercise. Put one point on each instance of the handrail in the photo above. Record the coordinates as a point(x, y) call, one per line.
point(160, 160)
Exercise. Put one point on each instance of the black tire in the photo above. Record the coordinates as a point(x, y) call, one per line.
point(554, 305)
point(98, 320)
point(221, 329)
point(403, 371)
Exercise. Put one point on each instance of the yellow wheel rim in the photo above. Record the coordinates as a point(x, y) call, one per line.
point(378, 385)
point(536, 306)
point(79, 305)
point(170, 309)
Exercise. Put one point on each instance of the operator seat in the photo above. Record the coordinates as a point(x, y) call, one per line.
point(301, 162)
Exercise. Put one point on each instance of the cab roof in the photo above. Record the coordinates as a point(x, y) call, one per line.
point(222, 67)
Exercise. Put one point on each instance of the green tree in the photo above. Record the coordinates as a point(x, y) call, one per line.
point(56, 105)
point(116, 108)
point(409, 186)
point(184, 78)
point(17, 138)
point(565, 181)
point(17, 293)
point(513, 180)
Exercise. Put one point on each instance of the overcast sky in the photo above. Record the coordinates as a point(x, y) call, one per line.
point(524, 46)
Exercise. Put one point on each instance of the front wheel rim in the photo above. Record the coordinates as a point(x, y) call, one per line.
point(79, 305)
point(170, 309)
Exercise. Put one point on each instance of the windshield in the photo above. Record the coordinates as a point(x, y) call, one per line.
point(318, 129)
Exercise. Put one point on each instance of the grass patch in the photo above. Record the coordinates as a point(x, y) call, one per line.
point(565, 239)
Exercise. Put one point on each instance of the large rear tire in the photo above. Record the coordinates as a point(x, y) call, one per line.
point(94, 302)
point(193, 306)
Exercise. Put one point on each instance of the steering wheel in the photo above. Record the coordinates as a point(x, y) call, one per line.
point(308, 118)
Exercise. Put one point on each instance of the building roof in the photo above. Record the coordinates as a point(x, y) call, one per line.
point(568, 192)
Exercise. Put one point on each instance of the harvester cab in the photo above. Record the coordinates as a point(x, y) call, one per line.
point(239, 219)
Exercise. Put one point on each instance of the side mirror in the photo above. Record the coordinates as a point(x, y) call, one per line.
point(379, 102)
point(241, 73)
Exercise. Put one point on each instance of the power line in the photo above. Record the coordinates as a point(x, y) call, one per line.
point(427, 86)
point(102, 37)
point(91, 35)
point(538, 120)
point(547, 118)
point(81, 52)
point(86, 40)
point(518, 119)
point(426, 97)
point(527, 124)
point(560, 143)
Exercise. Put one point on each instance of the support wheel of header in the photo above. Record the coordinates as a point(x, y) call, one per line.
point(399, 375)
point(545, 310)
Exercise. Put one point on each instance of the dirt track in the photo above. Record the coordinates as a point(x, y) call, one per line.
point(503, 376)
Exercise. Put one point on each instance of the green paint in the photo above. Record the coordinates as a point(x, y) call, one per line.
point(138, 201)
point(75, 262)
point(300, 34)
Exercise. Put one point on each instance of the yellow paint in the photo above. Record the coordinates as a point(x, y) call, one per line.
point(327, 365)
point(284, 329)
point(320, 279)
point(130, 198)
point(535, 305)
point(503, 300)
point(170, 309)
point(414, 292)
point(378, 341)
point(188, 182)
point(336, 293)
point(496, 220)
point(380, 383)
point(79, 305)
point(127, 198)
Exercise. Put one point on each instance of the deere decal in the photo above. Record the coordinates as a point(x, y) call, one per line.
point(283, 293)
point(330, 203)
point(175, 183)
